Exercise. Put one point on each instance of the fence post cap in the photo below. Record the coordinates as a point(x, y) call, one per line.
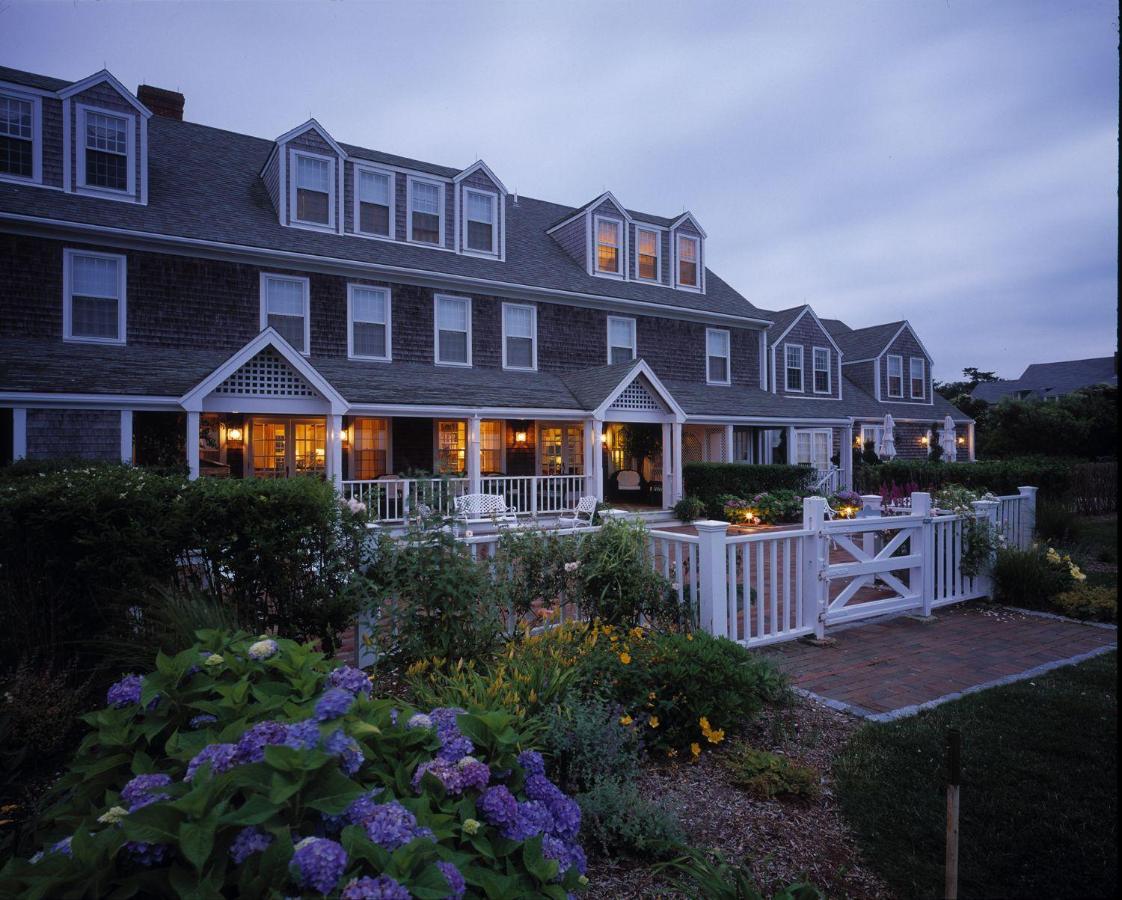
point(1027, 489)
point(709, 525)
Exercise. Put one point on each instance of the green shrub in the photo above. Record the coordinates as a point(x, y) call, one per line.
point(1052, 475)
point(585, 744)
point(617, 818)
point(708, 481)
point(42, 704)
point(1056, 522)
point(1097, 603)
point(534, 568)
point(777, 507)
point(715, 878)
point(1028, 578)
point(285, 753)
point(689, 508)
point(766, 775)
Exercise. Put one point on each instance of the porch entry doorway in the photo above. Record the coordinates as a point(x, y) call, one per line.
point(813, 447)
point(284, 447)
point(633, 464)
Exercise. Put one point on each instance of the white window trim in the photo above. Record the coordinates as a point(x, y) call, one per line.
point(356, 218)
point(634, 336)
point(494, 198)
point(814, 370)
point(130, 151)
point(802, 370)
point(351, 288)
point(658, 254)
point(36, 138)
point(922, 395)
point(888, 375)
point(436, 330)
point(304, 283)
point(292, 187)
point(728, 355)
point(67, 297)
point(533, 336)
point(409, 182)
point(621, 248)
point(678, 238)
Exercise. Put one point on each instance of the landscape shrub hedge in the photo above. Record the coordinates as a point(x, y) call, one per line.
point(710, 481)
point(1053, 476)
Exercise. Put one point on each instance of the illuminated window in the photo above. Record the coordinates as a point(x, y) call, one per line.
point(315, 189)
point(608, 244)
point(374, 196)
point(480, 210)
point(426, 211)
point(648, 253)
point(621, 340)
point(451, 447)
point(793, 365)
point(717, 355)
point(916, 373)
point(490, 447)
point(821, 370)
point(688, 251)
point(561, 449)
point(895, 376)
point(369, 448)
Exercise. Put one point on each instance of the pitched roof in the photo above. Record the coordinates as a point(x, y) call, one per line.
point(1052, 379)
point(861, 343)
point(30, 79)
point(783, 319)
point(591, 387)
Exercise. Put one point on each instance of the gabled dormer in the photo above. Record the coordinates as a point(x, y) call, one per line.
point(596, 236)
point(304, 178)
point(104, 140)
point(804, 359)
point(687, 248)
point(480, 212)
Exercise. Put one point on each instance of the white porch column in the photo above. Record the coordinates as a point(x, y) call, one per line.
point(845, 457)
point(19, 433)
point(591, 449)
point(676, 441)
point(597, 489)
point(970, 441)
point(126, 436)
point(335, 451)
point(474, 456)
point(729, 449)
point(667, 466)
point(192, 445)
point(792, 450)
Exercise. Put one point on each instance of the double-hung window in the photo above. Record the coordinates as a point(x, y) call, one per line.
point(480, 214)
point(315, 190)
point(368, 314)
point(916, 374)
point(793, 365)
point(870, 437)
point(426, 211)
point(647, 254)
point(609, 244)
point(717, 355)
point(520, 349)
point(93, 302)
point(895, 376)
point(821, 370)
point(18, 134)
point(105, 162)
point(453, 331)
point(284, 307)
point(621, 340)
point(374, 197)
point(688, 261)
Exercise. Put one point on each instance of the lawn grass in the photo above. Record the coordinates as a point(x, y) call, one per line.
point(1039, 790)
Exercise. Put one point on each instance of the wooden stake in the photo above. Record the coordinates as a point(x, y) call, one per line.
point(954, 765)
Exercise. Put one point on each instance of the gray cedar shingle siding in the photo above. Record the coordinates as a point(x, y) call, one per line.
point(807, 333)
point(907, 346)
point(863, 375)
point(573, 239)
point(104, 97)
point(52, 142)
point(63, 433)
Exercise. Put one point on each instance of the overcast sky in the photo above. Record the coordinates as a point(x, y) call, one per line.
point(952, 163)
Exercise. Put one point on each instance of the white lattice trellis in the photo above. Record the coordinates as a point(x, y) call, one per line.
point(268, 374)
point(637, 396)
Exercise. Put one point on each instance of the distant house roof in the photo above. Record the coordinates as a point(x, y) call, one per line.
point(1052, 379)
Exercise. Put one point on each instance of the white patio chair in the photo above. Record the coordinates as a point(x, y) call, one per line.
point(473, 509)
point(627, 480)
point(582, 514)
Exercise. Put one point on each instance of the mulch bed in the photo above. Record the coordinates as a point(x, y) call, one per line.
point(783, 840)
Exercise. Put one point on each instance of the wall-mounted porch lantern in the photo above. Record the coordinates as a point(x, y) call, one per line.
point(520, 438)
point(233, 435)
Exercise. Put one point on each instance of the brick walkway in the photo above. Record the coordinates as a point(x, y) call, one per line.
point(884, 669)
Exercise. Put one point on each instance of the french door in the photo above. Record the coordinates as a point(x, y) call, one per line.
point(812, 447)
point(281, 448)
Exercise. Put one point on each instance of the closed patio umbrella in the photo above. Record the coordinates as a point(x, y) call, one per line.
point(947, 439)
point(887, 448)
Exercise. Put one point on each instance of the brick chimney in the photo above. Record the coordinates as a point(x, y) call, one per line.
point(162, 102)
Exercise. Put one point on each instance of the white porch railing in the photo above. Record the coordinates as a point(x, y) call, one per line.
point(826, 482)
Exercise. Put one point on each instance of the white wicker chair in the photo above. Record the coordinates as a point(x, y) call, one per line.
point(474, 509)
point(628, 480)
point(582, 514)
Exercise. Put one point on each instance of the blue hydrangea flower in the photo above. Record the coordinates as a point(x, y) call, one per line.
point(391, 825)
point(538, 787)
point(566, 817)
point(263, 649)
point(303, 735)
point(361, 808)
point(533, 819)
point(498, 805)
point(143, 789)
point(148, 855)
point(318, 863)
point(393, 716)
point(125, 692)
point(351, 680)
point(456, 883)
point(419, 720)
point(220, 757)
point(333, 704)
point(567, 855)
point(381, 888)
point(453, 745)
point(531, 762)
point(249, 841)
point(203, 719)
point(473, 773)
point(444, 772)
point(251, 745)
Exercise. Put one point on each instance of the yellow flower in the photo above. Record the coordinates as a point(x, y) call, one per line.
point(689, 637)
point(651, 695)
point(695, 749)
point(637, 633)
point(671, 752)
point(715, 737)
point(613, 638)
point(625, 720)
point(653, 721)
point(625, 658)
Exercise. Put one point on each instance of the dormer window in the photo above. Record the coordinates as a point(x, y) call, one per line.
point(647, 264)
point(426, 211)
point(822, 370)
point(18, 130)
point(608, 243)
point(106, 160)
point(374, 196)
point(315, 190)
point(916, 366)
point(895, 376)
point(480, 213)
point(688, 257)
